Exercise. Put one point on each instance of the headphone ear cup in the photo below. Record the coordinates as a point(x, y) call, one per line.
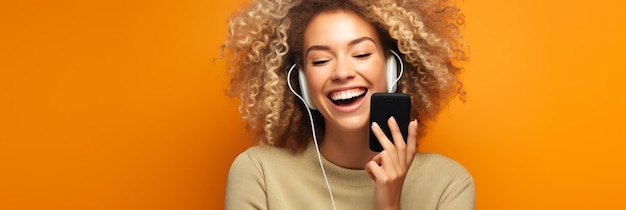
point(392, 74)
point(304, 89)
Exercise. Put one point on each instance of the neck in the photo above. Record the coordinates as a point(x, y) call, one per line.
point(348, 149)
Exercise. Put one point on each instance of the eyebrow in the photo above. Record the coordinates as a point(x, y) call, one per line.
point(353, 42)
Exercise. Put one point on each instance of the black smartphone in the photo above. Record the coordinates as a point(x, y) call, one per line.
point(382, 107)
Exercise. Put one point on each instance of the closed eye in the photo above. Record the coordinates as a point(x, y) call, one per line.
point(364, 55)
point(319, 62)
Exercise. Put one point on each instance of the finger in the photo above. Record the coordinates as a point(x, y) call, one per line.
point(369, 171)
point(411, 142)
point(378, 159)
point(398, 141)
point(396, 134)
point(382, 138)
point(375, 171)
point(390, 164)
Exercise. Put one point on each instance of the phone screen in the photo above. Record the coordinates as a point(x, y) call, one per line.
point(382, 107)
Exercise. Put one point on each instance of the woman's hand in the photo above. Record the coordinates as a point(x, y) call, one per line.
point(388, 169)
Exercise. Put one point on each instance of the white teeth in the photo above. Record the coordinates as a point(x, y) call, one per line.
point(347, 94)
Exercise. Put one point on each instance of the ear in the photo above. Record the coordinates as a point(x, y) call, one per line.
point(304, 89)
point(392, 74)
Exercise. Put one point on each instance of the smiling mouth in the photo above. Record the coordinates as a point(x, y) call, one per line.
point(347, 97)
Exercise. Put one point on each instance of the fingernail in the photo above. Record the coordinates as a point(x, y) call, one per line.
point(375, 125)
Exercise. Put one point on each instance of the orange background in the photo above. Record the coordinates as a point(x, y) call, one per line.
point(118, 105)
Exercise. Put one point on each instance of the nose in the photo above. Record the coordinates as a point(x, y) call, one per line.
point(344, 70)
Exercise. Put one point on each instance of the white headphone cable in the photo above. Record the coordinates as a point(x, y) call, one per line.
point(317, 148)
point(401, 67)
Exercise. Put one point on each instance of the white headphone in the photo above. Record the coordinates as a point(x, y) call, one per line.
point(392, 78)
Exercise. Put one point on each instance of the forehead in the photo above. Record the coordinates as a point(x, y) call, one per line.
point(337, 27)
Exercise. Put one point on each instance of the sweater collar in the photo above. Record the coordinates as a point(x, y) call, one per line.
point(337, 174)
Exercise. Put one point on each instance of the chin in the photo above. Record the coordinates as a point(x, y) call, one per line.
point(352, 124)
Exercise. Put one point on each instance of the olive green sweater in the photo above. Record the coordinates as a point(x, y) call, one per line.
point(265, 177)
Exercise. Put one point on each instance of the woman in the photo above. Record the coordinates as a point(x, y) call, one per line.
point(340, 49)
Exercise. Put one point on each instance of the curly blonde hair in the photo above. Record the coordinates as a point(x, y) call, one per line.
point(265, 40)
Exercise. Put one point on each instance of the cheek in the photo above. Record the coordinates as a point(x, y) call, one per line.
point(376, 74)
point(315, 82)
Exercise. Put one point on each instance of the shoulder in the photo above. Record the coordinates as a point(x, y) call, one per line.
point(263, 152)
point(438, 162)
point(256, 161)
point(444, 170)
point(259, 157)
